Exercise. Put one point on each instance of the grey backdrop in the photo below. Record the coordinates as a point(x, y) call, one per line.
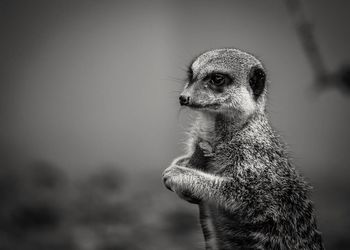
point(85, 83)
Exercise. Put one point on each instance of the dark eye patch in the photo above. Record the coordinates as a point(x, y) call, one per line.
point(217, 81)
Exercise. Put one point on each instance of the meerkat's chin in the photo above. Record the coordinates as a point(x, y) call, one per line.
point(204, 107)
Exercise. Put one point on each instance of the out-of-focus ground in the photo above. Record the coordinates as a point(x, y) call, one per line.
point(42, 208)
point(89, 115)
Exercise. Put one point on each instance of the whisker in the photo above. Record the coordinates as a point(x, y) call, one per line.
point(179, 113)
point(175, 79)
point(189, 117)
point(183, 68)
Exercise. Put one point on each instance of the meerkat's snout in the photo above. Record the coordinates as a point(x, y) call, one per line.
point(184, 100)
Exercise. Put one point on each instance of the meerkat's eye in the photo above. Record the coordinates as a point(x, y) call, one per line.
point(218, 80)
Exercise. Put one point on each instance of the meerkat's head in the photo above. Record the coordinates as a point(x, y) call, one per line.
point(226, 81)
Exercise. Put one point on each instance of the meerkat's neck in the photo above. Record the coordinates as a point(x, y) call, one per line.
point(220, 127)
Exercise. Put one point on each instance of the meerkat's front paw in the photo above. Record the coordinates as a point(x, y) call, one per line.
point(181, 161)
point(174, 179)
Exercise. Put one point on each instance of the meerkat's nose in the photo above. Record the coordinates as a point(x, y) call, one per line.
point(184, 100)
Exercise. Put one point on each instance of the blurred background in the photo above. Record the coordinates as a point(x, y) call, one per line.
point(90, 116)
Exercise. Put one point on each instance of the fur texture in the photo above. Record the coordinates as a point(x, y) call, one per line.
point(236, 168)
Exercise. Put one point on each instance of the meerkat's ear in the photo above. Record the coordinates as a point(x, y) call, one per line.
point(257, 79)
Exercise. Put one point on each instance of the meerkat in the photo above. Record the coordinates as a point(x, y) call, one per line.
point(237, 168)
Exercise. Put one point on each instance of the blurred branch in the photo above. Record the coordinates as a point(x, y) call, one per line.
point(341, 78)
